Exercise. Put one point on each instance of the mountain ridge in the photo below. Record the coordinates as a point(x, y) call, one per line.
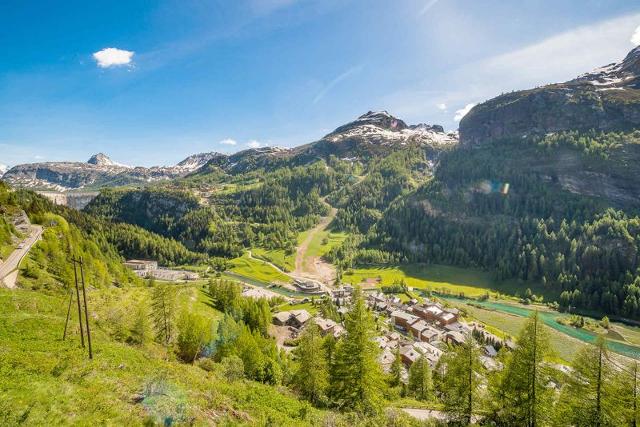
point(371, 135)
point(605, 99)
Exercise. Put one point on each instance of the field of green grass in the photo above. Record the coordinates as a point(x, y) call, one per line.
point(258, 270)
point(302, 306)
point(318, 247)
point(277, 257)
point(440, 278)
point(509, 325)
point(47, 381)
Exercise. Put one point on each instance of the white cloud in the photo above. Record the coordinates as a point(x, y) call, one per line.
point(228, 141)
point(253, 144)
point(428, 6)
point(113, 57)
point(351, 71)
point(3, 169)
point(463, 112)
point(635, 38)
point(442, 107)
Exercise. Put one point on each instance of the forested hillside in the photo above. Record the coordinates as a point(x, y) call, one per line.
point(510, 207)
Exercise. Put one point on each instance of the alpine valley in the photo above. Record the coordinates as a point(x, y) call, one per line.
point(534, 202)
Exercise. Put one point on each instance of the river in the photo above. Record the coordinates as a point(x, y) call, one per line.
point(550, 319)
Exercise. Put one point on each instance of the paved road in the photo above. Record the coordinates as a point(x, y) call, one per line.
point(13, 261)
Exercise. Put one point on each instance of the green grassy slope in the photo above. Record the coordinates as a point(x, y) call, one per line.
point(45, 381)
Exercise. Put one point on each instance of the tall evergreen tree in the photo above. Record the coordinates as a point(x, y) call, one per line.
point(357, 381)
point(163, 313)
point(395, 374)
point(420, 381)
point(311, 377)
point(141, 329)
point(459, 386)
point(630, 385)
point(590, 397)
point(522, 396)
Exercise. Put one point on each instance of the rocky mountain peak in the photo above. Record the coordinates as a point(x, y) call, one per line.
point(380, 119)
point(631, 62)
point(197, 161)
point(101, 159)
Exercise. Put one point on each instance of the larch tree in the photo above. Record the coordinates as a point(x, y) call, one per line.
point(420, 380)
point(459, 384)
point(163, 304)
point(311, 377)
point(395, 374)
point(522, 397)
point(630, 386)
point(141, 327)
point(591, 397)
point(357, 380)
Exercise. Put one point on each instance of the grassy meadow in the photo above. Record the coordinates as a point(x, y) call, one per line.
point(47, 381)
point(256, 269)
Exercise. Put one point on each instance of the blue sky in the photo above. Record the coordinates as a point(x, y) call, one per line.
point(188, 76)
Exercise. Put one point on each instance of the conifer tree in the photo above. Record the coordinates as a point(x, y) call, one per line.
point(395, 374)
point(141, 328)
point(420, 381)
point(591, 398)
point(522, 396)
point(629, 393)
point(356, 377)
point(311, 378)
point(163, 313)
point(459, 386)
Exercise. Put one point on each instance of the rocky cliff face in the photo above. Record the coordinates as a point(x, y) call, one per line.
point(607, 99)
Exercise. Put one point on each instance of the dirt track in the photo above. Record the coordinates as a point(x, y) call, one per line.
point(314, 267)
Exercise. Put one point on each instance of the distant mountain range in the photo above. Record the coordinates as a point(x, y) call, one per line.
point(606, 99)
point(372, 135)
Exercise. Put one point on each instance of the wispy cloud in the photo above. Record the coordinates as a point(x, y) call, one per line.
point(428, 6)
point(268, 6)
point(557, 58)
point(442, 107)
point(635, 38)
point(463, 112)
point(113, 57)
point(254, 144)
point(228, 141)
point(333, 83)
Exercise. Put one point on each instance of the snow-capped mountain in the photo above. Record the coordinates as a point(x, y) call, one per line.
point(371, 135)
point(3, 169)
point(195, 162)
point(619, 75)
point(99, 171)
point(102, 159)
point(383, 128)
point(376, 134)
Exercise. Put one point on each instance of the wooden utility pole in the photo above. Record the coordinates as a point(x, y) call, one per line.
point(66, 323)
point(86, 310)
point(75, 276)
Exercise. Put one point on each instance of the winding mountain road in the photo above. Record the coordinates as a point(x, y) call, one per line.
point(11, 264)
